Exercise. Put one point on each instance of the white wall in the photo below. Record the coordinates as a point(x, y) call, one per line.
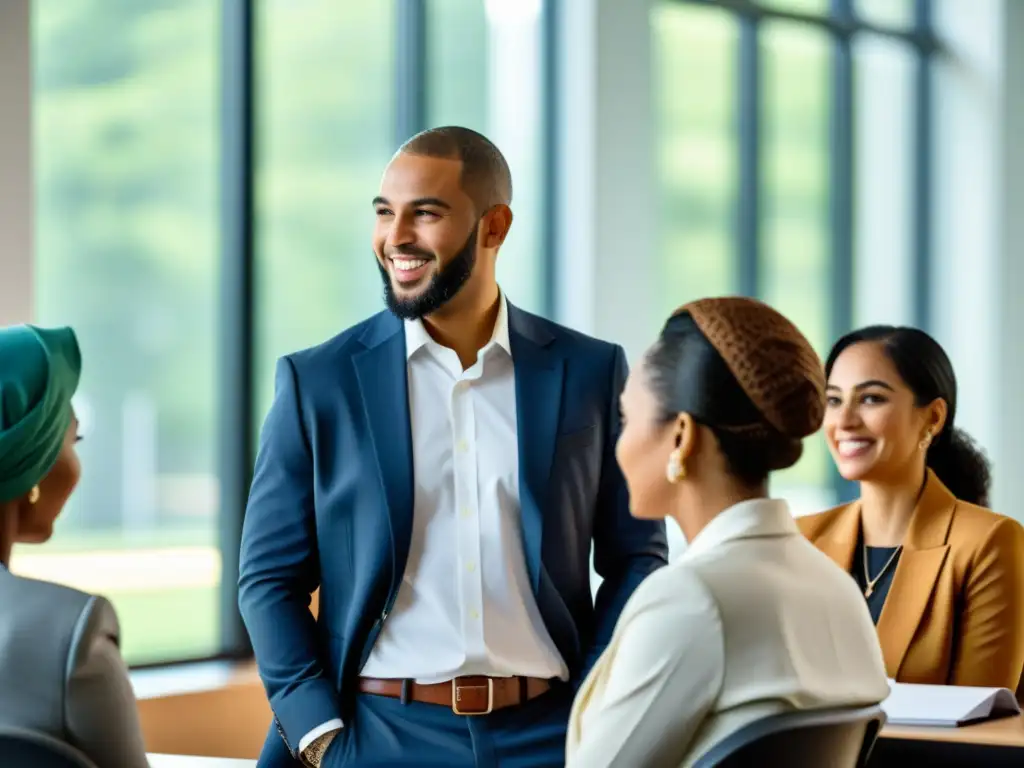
point(1005, 392)
point(605, 204)
point(979, 199)
point(16, 198)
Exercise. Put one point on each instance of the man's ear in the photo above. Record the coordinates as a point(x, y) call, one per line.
point(495, 226)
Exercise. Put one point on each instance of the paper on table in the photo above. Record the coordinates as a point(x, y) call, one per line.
point(946, 705)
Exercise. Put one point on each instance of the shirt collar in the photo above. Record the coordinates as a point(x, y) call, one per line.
point(748, 519)
point(416, 335)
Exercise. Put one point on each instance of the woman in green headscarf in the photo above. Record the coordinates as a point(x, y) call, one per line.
point(61, 671)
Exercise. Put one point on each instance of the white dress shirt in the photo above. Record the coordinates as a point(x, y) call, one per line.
point(465, 606)
point(750, 621)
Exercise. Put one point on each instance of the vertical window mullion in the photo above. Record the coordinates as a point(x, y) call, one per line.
point(922, 186)
point(749, 189)
point(410, 69)
point(841, 194)
point(236, 435)
point(549, 153)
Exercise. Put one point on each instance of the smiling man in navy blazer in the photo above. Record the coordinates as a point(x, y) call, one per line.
point(439, 471)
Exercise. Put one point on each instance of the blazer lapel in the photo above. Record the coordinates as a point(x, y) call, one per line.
point(383, 383)
point(924, 552)
point(539, 371)
point(840, 542)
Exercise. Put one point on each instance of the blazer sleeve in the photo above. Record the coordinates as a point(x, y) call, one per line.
point(100, 710)
point(279, 569)
point(990, 651)
point(664, 679)
point(626, 549)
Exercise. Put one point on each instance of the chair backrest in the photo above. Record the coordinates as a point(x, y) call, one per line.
point(23, 748)
point(824, 738)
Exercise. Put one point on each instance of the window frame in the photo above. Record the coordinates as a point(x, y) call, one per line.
point(843, 24)
point(236, 432)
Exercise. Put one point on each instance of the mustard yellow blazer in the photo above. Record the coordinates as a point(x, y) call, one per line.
point(954, 614)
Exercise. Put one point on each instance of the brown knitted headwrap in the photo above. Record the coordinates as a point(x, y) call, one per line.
point(770, 358)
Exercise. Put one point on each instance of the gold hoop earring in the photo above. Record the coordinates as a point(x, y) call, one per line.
point(676, 469)
point(34, 494)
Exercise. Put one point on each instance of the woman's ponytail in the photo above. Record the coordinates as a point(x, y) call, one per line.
point(962, 467)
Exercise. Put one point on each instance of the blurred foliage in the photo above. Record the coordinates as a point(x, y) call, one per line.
point(695, 52)
point(126, 156)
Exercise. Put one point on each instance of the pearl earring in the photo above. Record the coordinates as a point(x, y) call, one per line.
point(676, 469)
point(33, 495)
point(926, 440)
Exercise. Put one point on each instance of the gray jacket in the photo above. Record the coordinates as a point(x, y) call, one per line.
point(61, 671)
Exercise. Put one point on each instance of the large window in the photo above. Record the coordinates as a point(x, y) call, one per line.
point(324, 95)
point(126, 136)
point(205, 172)
point(793, 145)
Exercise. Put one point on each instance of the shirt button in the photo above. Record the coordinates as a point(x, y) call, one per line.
point(462, 386)
point(470, 567)
point(474, 614)
point(462, 446)
point(466, 512)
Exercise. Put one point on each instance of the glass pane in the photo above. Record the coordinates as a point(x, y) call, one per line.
point(457, 45)
point(816, 7)
point(325, 134)
point(126, 134)
point(695, 113)
point(485, 74)
point(894, 13)
point(884, 109)
point(795, 205)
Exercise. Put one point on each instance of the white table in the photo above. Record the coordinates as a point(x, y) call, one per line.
point(189, 761)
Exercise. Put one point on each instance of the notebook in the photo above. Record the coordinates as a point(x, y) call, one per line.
point(947, 706)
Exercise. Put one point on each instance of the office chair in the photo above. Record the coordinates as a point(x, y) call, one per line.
point(824, 738)
point(21, 748)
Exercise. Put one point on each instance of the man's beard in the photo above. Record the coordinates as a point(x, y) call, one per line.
point(441, 289)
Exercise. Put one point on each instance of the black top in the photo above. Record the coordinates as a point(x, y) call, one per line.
point(877, 558)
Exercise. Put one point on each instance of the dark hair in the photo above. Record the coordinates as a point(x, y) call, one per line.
point(925, 368)
point(486, 177)
point(687, 374)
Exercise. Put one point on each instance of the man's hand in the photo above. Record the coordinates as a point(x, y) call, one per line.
point(314, 753)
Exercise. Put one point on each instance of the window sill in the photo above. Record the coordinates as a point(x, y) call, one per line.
point(198, 677)
point(216, 708)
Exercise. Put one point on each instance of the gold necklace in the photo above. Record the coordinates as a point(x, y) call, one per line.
point(867, 577)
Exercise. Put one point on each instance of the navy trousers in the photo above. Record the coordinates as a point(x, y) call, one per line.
point(385, 732)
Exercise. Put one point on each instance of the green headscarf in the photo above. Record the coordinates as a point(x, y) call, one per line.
point(39, 372)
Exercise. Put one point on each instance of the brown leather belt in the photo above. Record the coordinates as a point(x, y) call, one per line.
point(465, 695)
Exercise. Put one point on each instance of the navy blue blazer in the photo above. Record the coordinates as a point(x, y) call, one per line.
point(331, 506)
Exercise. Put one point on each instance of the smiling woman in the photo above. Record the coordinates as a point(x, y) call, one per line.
point(940, 573)
point(906, 385)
